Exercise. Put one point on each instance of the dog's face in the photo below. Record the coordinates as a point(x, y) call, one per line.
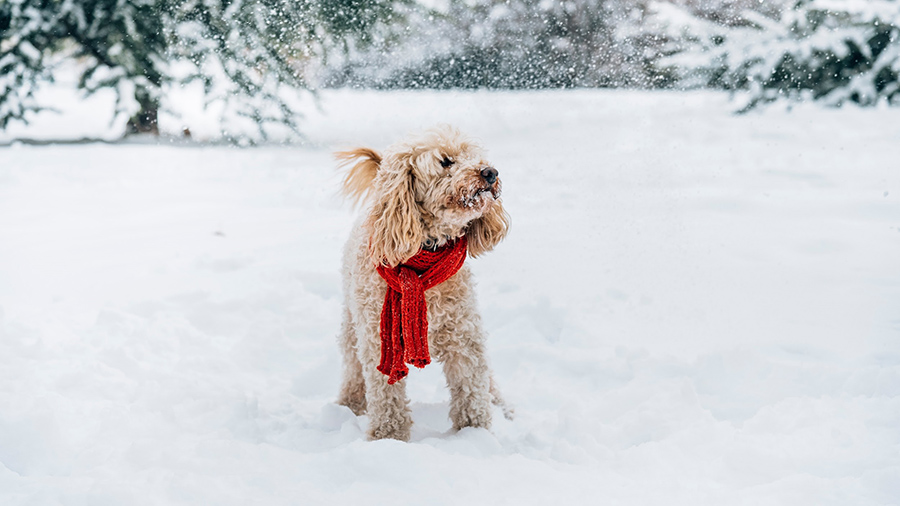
point(452, 185)
point(427, 192)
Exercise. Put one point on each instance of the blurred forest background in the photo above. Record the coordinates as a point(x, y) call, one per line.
point(257, 55)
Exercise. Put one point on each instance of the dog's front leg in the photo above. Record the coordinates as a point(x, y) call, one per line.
point(387, 405)
point(389, 413)
point(468, 378)
point(353, 384)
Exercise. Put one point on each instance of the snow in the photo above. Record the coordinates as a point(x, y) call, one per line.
point(693, 307)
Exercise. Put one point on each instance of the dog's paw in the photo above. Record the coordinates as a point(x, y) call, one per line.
point(356, 404)
point(476, 415)
point(509, 411)
point(390, 430)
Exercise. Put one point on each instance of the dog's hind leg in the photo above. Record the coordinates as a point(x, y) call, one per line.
point(353, 385)
point(509, 411)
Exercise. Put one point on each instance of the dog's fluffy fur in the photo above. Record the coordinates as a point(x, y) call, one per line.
point(421, 194)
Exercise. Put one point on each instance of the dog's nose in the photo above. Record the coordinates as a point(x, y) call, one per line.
point(489, 174)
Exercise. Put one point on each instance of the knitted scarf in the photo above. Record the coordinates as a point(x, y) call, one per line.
point(404, 320)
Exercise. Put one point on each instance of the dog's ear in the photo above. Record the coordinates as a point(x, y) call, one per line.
point(485, 232)
point(394, 222)
point(358, 181)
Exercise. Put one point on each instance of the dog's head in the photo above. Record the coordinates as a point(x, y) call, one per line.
point(426, 192)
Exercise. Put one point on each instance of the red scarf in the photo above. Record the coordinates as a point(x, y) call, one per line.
point(404, 320)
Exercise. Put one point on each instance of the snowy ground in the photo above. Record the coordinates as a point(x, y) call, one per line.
point(692, 308)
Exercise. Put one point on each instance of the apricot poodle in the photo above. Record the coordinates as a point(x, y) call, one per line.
point(408, 296)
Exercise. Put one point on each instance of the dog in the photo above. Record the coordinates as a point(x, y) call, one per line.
point(434, 195)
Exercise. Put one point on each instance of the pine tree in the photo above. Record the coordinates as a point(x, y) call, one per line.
point(250, 53)
point(118, 40)
point(510, 44)
point(247, 54)
point(836, 51)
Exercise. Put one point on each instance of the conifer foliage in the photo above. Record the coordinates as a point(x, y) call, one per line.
point(511, 44)
point(118, 40)
point(836, 51)
point(248, 52)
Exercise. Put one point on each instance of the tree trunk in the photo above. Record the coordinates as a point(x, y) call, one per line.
point(145, 121)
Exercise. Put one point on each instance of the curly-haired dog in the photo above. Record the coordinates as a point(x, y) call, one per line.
point(430, 199)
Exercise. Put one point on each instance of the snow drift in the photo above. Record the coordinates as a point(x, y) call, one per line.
point(692, 308)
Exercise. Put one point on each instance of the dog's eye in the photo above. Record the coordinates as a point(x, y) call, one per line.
point(446, 162)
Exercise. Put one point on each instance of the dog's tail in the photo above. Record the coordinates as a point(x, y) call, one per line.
point(358, 180)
